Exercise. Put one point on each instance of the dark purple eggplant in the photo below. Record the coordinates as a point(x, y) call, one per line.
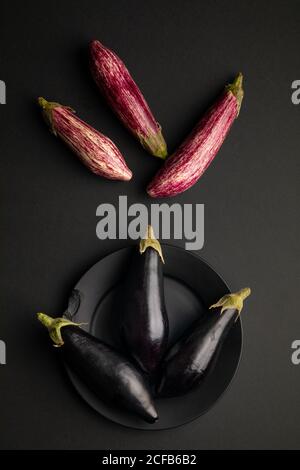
point(145, 324)
point(191, 357)
point(111, 376)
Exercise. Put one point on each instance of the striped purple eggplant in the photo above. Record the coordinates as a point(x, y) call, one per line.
point(94, 149)
point(183, 169)
point(125, 98)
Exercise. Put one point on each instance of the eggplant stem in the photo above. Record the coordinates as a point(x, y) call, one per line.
point(149, 241)
point(54, 326)
point(155, 144)
point(236, 88)
point(235, 301)
point(47, 108)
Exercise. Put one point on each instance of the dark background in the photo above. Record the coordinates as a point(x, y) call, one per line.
point(181, 53)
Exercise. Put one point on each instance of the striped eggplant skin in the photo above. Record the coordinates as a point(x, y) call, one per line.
point(94, 149)
point(125, 98)
point(184, 168)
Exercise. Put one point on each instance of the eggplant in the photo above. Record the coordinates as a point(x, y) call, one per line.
point(187, 362)
point(184, 168)
point(145, 326)
point(96, 151)
point(126, 99)
point(110, 375)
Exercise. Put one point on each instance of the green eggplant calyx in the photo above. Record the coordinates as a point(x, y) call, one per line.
point(233, 301)
point(54, 326)
point(236, 88)
point(150, 241)
point(47, 108)
point(155, 144)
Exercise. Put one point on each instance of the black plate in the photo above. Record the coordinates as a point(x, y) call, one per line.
point(190, 285)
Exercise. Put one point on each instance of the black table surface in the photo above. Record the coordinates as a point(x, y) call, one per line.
point(181, 54)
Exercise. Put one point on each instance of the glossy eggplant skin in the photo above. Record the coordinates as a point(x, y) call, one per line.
point(145, 324)
point(193, 355)
point(190, 358)
point(109, 374)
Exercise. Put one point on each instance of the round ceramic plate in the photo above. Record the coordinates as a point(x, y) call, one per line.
point(191, 285)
